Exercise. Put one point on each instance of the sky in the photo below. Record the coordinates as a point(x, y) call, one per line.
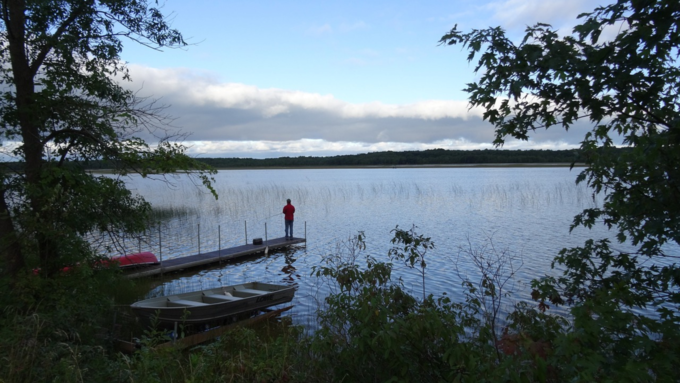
point(265, 79)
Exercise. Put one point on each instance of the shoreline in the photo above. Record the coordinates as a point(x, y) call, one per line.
point(427, 166)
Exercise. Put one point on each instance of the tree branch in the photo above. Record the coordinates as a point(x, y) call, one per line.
point(45, 50)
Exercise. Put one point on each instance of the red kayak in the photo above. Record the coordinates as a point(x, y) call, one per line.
point(138, 259)
point(145, 258)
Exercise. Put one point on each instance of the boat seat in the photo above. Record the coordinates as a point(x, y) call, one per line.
point(251, 291)
point(184, 303)
point(219, 298)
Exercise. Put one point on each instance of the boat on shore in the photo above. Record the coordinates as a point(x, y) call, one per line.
point(124, 262)
point(145, 258)
point(211, 305)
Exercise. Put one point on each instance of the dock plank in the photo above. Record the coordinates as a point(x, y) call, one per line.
point(211, 257)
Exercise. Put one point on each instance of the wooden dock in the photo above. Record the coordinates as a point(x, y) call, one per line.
point(211, 257)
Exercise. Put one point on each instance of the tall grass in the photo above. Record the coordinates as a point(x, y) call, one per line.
point(180, 211)
point(184, 213)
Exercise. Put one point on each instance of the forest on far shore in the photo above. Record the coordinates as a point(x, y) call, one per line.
point(388, 158)
point(424, 157)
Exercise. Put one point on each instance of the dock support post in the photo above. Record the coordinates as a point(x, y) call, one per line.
point(160, 247)
point(245, 224)
point(265, 233)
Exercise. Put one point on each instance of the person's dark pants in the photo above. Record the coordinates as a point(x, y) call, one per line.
point(289, 226)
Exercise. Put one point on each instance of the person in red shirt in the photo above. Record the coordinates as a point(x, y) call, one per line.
point(288, 212)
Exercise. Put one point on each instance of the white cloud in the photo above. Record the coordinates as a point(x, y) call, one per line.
point(520, 13)
point(6, 150)
point(307, 147)
point(231, 118)
point(203, 90)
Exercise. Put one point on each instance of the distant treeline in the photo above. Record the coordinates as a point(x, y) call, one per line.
point(389, 158)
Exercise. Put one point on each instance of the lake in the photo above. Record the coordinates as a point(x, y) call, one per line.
point(524, 212)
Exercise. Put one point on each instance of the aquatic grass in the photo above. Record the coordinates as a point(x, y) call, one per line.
point(166, 213)
point(421, 345)
point(180, 211)
point(323, 205)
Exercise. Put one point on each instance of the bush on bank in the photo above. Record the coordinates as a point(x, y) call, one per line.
point(370, 330)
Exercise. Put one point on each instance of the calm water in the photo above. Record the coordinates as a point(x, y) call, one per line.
point(525, 212)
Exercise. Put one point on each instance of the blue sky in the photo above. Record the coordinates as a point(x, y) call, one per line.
point(272, 78)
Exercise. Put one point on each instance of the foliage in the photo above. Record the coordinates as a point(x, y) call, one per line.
point(626, 88)
point(61, 107)
point(61, 102)
point(486, 293)
point(275, 352)
point(371, 330)
point(411, 247)
point(59, 329)
point(376, 331)
point(405, 158)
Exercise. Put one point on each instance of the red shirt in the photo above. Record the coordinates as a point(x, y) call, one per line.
point(288, 210)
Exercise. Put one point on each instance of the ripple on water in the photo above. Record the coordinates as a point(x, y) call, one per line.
point(523, 211)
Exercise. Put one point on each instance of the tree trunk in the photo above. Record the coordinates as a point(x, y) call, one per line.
point(29, 123)
point(10, 249)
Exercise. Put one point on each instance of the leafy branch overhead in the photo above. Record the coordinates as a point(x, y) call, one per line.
point(63, 103)
point(616, 75)
point(624, 87)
